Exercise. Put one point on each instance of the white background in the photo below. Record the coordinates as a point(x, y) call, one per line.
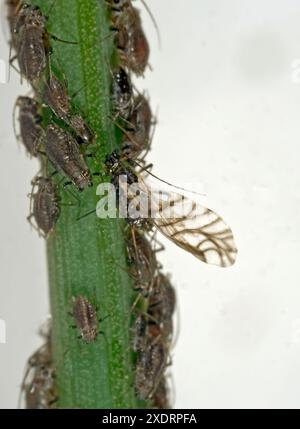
point(229, 109)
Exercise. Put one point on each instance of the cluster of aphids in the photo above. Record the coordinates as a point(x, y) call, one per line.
point(155, 303)
point(60, 142)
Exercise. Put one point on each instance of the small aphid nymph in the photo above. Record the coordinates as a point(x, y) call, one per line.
point(85, 317)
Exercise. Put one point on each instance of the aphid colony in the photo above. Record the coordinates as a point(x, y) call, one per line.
point(59, 142)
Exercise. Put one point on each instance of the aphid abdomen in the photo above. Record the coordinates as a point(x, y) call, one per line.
point(85, 318)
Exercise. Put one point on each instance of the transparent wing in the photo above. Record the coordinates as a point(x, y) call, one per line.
point(195, 228)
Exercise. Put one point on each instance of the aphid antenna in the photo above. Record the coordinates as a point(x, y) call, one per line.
point(168, 183)
point(154, 22)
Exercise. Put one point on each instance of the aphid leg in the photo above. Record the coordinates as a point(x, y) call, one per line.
point(57, 39)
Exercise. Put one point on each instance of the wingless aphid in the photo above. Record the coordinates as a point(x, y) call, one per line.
point(131, 41)
point(149, 369)
point(137, 135)
point(85, 316)
point(45, 205)
point(161, 305)
point(64, 153)
point(31, 41)
point(143, 261)
point(57, 98)
point(30, 123)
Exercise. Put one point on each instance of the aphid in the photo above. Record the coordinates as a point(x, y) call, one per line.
point(184, 221)
point(64, 152)
point(121, 93)
point(85, 318)
point(45, 207)
point(57, 98)
point(131, 41)
point(137, 138)
point(38, 383)
point(31, 41)
point(143, 261)
point(30, 123)
point(161, 304)
point(149, 368)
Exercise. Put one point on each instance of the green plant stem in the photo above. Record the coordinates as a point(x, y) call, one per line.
point(88, 256)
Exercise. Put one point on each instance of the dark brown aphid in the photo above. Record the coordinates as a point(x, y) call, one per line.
point(38, 383)
point(131, 41)
point(85, 318)
point(31, 41)
point(121, 93)
point(30, 124)
point(64, 152)
point(45, 208)
point(137, 137)
point(149, 368)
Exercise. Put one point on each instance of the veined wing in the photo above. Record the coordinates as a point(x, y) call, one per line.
point(195, 228)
